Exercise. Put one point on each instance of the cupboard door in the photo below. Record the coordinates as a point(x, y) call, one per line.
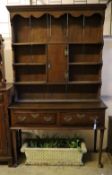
point(57, 63)
point(3, 142)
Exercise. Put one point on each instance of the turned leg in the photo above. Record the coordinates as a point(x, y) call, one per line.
point(10, 150)
point(19, 140)
point(10, 162)
point(14, 145)
point(100, 148)
point(95, 140)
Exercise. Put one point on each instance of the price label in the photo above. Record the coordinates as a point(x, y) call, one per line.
point(95, 125)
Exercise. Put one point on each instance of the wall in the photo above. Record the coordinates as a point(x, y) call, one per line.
point(106, 89)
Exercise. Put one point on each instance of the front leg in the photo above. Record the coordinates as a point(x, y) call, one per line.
point(100, 148)
point(14, 145)
point(95, 140)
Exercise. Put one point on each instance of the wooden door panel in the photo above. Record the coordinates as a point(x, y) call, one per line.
point(3, 143)
point(57, 63)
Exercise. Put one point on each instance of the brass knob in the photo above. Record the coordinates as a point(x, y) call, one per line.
point(21, 118)
point(34, 116)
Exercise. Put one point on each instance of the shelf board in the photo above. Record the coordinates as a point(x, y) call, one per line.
point(86, 43)
point(41, 43)
point(29, 82)
point(56, 100)
point(56, 83)
point(84, 82)
point(27, 43)
point(76, 43)
point(71, 64)
point(29, 64)
point(85, 63)
point(40, 82)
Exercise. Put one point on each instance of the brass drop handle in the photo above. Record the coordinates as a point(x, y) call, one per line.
point(48, 119)
point(34, 116)
point(80, 116)
point(68, 118)
point(21, 118)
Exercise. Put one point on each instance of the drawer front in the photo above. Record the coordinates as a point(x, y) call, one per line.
point(82, 119)
point(32, 118)
point(1, 97)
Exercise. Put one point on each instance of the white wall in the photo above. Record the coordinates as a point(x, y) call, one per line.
point(107, 68)
point(106, 89)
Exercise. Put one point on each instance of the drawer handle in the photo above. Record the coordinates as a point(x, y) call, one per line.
point(48, 119)
point(34, 116)
point(21, 118)
point(68, 118)
point(80, 116)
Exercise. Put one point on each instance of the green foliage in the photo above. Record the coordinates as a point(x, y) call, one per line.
point(54, 142)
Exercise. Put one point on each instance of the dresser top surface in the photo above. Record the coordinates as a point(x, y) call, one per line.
point(58, 105)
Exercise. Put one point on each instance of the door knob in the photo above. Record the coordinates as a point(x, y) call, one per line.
point(66, 52)
point(49, 66)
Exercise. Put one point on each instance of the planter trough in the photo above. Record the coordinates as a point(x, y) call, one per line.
point(54, 156)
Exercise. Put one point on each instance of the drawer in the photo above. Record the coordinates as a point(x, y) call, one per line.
point(82, 118)
point(32, 118)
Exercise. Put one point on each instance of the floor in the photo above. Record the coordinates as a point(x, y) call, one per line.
point(90, 168)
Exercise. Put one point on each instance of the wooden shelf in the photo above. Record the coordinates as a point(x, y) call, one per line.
point(30, 83)
point(87, 43)
point(85, 63)
point(29, 64)
point(65, 101)
point(28, 44)
point(67, 42)
point(84, 82)
point(40, 82)
point(57, 83)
